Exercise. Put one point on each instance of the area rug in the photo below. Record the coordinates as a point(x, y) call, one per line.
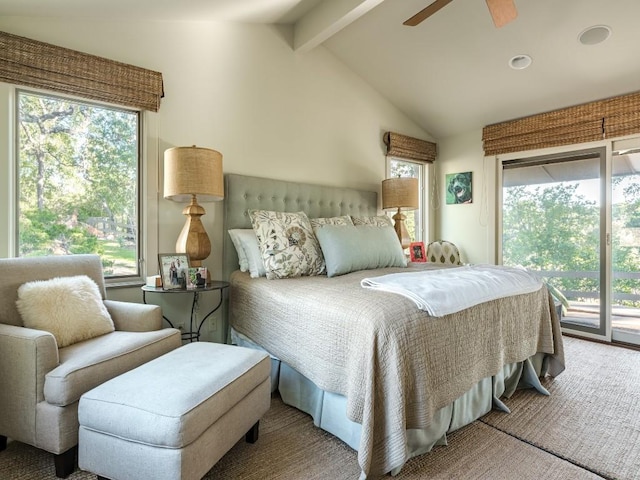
point(588, 429)
point(591, 418)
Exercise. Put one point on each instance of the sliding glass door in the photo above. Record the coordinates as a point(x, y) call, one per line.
point(575, 219)
point(553, 224)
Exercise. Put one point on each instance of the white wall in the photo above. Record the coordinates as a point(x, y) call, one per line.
point(239, 89)
point(470, 226)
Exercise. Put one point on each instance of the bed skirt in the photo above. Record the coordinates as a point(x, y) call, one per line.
point(328, 409)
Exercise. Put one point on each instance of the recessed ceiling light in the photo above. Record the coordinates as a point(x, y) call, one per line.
point(594, 35)
point(520, 62)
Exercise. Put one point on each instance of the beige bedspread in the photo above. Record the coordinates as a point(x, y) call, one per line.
point(395, 364)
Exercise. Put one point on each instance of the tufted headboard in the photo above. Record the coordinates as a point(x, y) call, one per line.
point(243, 193)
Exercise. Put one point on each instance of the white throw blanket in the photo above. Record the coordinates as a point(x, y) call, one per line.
point(446, 291)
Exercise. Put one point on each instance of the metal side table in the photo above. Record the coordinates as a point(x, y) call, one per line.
point(193, 334)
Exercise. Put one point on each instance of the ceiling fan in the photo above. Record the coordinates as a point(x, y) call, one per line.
point(502, 12)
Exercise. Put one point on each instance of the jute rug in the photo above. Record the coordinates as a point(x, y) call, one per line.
point(290, 447)
point(591, 418)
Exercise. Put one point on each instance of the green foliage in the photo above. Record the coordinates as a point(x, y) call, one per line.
point(552, 228)
point(78, 177)
point(43, 233)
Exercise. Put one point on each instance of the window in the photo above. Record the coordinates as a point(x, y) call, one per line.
point(406, 168)
point(78, 181)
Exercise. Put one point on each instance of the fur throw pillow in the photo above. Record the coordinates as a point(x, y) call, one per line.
point(71, 308)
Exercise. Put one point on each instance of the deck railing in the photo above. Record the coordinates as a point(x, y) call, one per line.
point(571, 294)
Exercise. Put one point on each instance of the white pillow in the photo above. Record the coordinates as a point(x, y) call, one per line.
point(71, 308)
point(248, 243)
point(242, 256)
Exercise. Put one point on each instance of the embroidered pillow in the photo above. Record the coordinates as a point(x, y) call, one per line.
point(287, 244)
point(319, 222)
point(376, 221)
point(71, 308)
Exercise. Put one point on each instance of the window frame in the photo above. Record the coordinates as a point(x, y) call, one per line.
point(146, 188)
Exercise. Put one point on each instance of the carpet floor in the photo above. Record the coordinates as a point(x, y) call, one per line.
point(589, 428)
point(591, 418)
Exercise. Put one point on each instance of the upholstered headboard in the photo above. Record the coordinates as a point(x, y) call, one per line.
point(243, 193)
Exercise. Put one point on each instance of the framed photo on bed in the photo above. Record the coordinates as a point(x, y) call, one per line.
point(416, 252)
point(174, 270)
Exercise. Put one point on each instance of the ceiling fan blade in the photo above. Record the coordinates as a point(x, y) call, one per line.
point(502, 11)
point(426, 12)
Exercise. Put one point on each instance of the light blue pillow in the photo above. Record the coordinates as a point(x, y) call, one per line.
point(362, 247)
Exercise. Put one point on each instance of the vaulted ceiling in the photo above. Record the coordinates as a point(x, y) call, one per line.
point(451, 73)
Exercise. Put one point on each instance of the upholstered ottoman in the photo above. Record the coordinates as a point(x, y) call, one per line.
point(176, 416)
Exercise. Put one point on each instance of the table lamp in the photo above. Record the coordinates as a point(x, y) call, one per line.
point(400, 193)
point(192, 174)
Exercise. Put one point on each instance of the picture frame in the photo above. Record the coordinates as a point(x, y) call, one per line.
point(417, 253)
point(197, 277)
point(459, 188)
point(174, 270)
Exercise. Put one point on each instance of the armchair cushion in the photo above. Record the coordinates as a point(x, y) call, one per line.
point(87, 364)
point(71, 308)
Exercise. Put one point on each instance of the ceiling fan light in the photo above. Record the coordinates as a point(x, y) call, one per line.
point(520, 62)
point(594, 35)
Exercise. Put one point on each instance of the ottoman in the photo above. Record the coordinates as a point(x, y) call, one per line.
point(176, 416)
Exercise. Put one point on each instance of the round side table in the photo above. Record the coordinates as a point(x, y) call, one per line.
point(193, 334)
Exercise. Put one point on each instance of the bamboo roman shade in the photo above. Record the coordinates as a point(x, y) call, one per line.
point(609, 118)
point(409, 148)
point(36, 64)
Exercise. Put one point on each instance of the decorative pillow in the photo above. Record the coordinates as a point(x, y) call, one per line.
point(377, 220)
point(360, 247)
point(319, 222)
point(70, 308)
point(287, 244)
point(248, 244)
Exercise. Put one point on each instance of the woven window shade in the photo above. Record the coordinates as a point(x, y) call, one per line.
point(612, 117)
point(409, 148)
point(36, 64)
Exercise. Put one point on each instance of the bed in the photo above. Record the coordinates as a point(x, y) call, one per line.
point(368, 366)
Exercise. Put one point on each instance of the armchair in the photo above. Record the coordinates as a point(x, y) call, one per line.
point(40, 383)
point(443, 251)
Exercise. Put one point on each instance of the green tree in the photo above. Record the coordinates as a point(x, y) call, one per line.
point(552, 229)
point(77, 177)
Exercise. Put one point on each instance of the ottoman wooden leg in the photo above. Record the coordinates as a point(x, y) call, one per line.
point(252, 434)
point(3, 442)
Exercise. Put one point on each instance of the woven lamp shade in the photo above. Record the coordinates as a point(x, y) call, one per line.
point(400, 192)
point(193, 171)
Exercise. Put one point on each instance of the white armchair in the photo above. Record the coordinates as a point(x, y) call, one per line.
point(41, 384)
